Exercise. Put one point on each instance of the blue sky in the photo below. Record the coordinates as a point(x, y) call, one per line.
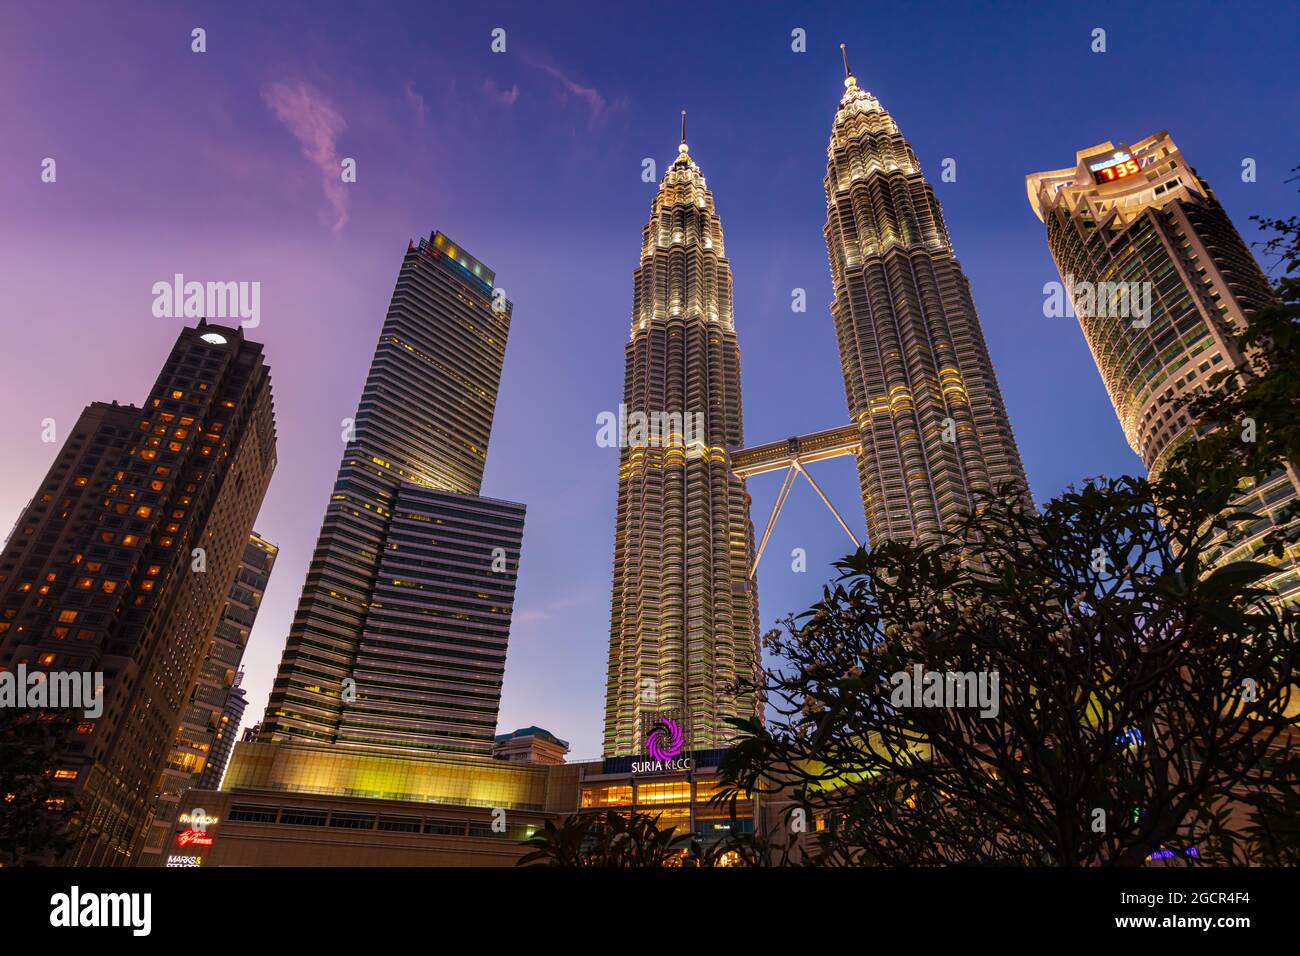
point(216, 165)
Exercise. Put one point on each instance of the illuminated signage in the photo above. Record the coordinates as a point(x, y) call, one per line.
point(196, 837)
point(1114, 168)
point(663, 746)
point(198, 820)
point(178, 860)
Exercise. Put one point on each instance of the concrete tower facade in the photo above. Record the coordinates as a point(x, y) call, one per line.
point(121, 565)
point(684, 618)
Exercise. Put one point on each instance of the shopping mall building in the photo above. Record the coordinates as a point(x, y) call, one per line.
point(294, 804)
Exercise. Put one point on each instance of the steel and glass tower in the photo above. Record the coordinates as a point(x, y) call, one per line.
point(1136, 220)
point(400, 637)
point(917, 374)
point(684, 623)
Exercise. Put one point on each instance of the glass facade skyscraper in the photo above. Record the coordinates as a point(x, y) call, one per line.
point(400, 635)
point(1137, 219)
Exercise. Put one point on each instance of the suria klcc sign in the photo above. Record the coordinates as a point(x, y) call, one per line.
point(663, 747)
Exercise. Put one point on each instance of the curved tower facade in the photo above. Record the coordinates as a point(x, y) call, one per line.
point(684, 618)
point(1134, 221)
point(917, 373)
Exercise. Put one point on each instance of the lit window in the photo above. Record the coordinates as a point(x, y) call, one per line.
point(67, 617)
point(130, 540)
point(65, 775)
point(86, 584)
point(45, 660)
point(109, 587)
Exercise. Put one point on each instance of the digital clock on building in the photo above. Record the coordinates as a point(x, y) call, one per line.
point(1120, 169)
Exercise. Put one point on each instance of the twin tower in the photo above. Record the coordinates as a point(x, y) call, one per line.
point(927, 422)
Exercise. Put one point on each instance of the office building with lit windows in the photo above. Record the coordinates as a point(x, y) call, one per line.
point(684, 612)
point(223, 740)
point(920, 384)
point(399, 640)
point(122, 563)
point(216, 702)
point(1136, 218)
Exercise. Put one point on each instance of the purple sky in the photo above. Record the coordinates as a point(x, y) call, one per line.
point(223, 166)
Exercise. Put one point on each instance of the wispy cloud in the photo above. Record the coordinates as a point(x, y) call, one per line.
point(597, 106)
point(316, 123)
point(417, 102)
point(500, 96)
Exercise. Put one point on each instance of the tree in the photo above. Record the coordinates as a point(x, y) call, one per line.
point(611, 839)
point(635, 839)
point(34, 813)
point(1141, 691)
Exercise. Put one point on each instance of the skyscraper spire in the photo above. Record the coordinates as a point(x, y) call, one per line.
point(917, 374)
point(684, 613)
point(683, 127)
point(848, 74)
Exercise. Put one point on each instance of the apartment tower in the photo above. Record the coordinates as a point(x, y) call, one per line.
point(121, 564)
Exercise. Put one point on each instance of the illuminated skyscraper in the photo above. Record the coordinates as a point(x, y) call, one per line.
point(122, 563)
point(400, 637)
point(684, 620)
point(1136, 220)
point(917, 374)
